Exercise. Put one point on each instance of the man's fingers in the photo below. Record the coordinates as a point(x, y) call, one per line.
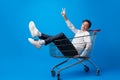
point(63, 9)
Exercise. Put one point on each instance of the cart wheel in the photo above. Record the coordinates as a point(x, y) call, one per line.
point(53, 73)
point(58, 75)
point(98, 72)
point(86, 68)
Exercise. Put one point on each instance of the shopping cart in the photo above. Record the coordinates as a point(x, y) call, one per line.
point(63, 49)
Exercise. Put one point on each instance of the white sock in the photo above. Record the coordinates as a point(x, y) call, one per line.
point(43, 41)
point(39, 33)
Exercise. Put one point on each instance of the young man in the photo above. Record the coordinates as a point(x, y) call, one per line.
point(78, 42)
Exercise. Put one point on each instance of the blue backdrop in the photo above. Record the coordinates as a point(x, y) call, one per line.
point(19, 60)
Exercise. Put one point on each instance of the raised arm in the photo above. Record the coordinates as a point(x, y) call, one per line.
point(69, 24)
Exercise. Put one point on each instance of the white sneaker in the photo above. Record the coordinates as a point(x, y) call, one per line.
point(33, 30)
point(37, 43)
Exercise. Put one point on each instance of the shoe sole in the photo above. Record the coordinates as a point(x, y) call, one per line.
point(32, 27)
point(31, 42)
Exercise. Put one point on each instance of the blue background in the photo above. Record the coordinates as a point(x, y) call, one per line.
point(19, 60)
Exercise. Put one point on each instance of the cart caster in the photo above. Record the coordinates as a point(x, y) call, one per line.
point(98, 72)
point(86, 68)
point(53, 73)
point(58, 76)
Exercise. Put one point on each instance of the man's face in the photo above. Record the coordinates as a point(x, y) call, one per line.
point(85, 26)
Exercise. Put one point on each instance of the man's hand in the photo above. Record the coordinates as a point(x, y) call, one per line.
point(63, 12)
point(76, 56)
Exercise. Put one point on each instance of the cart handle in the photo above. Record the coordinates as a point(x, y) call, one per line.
point(96, 30)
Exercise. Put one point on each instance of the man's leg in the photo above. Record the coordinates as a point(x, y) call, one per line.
point(53, 38)
point(44, 36)
point(46, 39)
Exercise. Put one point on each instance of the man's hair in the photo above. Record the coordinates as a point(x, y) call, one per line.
point(86, 20)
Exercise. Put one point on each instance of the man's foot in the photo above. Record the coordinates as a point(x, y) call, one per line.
point(33, 30)
point(36, 43)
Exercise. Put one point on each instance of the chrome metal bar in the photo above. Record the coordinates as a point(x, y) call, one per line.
point(68, 66)
point(61, 63)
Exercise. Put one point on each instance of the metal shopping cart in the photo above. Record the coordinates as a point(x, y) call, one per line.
point(63, 49)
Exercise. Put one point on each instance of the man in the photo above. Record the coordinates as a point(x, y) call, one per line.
point(81, 40)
